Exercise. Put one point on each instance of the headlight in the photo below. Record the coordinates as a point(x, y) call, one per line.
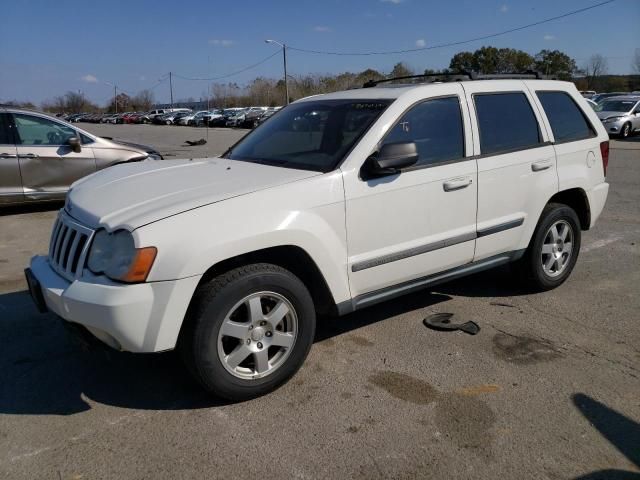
point(612, 119)
point(115, 255)
point(155, 156)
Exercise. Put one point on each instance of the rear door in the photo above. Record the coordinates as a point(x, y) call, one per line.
point(516, 165)
point(47, 163)
point(575, 140)
point(10, 181)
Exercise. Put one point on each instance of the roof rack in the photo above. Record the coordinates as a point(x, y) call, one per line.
point(463, 76)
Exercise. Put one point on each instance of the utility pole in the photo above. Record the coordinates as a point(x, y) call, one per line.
point(171, 89)
point(115, 97)
point(284, 57)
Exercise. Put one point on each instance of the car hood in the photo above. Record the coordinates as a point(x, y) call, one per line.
point(604, 115)
point(135, 194)
point(137, 146)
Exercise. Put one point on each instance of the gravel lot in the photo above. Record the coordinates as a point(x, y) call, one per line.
point(549, 388)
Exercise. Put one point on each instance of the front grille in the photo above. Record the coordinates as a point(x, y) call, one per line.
point(69, 246)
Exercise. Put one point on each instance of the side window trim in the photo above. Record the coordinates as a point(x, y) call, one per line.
point(593, 131)
point(541, 141)
point(464, 157)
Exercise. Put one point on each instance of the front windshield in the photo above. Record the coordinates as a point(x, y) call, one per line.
point(313, 135)
point(616, 106)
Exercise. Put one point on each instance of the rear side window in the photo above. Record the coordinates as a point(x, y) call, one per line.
point(566, 119)
point(436, 128)
point(506, 122)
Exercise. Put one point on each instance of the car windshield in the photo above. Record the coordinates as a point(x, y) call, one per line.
point(616, 106)
point(312, 135)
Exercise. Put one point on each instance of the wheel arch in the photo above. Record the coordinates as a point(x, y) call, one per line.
point(290, 257)
point(577, 199)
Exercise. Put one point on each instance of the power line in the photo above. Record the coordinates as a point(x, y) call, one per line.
point(461, 42)
point(229, 74)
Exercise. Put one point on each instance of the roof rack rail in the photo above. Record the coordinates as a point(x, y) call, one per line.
point(430, 77)
point(463, 76)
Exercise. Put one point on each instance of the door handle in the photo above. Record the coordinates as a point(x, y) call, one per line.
point(8, 155)
point(29, 155)
point(539, 166)
point(456, 184)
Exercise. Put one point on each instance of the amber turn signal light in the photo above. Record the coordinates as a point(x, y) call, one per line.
point(141, 265)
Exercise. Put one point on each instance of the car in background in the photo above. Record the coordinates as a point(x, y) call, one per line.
point(170, 117)
point(203, 118)
point(587, 93)
point(109, 118)
point(221, 120)
point(620, 115)
point(601, 96)
point(592, 104)
point(266, 115)
point(188, 118)
point(41, 156)
point(252, 116)
point(236, 118)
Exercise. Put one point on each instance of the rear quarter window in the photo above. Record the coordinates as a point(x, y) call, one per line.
point(506, 122)
point(567, 120)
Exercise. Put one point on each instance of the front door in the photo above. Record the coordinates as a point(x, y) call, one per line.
point(422, 220)
point(47, 162)
point(10, 181)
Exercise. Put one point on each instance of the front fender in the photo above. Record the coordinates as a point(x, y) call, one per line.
point(308, 214)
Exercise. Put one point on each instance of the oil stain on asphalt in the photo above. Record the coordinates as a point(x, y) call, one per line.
point(461, 416)
point(523, 350)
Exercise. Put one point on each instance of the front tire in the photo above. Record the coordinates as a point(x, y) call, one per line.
point(553, 250)
point(625, 131)
point(248, 331)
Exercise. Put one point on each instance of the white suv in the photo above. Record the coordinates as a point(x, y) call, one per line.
point(338, 202)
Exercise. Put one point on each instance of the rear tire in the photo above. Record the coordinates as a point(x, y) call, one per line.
point(553, 250)
point(248, 331)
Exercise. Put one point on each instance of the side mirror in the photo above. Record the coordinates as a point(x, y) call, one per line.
point(74, 143)
point(391, 158)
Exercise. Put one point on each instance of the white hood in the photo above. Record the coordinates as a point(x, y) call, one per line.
point(135, 194)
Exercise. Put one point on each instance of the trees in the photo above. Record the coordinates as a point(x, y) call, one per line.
point(401, 69)
point(143, 101)
point(595, 68)
point(556, 63)
point(492, 60)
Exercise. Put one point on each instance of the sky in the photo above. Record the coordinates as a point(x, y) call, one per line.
point(48, 47)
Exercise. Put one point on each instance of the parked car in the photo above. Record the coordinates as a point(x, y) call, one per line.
point(221, 119)
point(601, 96)
point(188, 119)
point(41, 156)
point(252, 116)
point(266, 115)
point(236, 118)
point(620, 115)
point(203, 118)
point(170, 117)
point(587, 93)
point(337, 203)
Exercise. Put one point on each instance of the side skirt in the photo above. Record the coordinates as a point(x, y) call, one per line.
point(387, 293)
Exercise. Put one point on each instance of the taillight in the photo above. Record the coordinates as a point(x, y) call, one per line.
point(604, 150)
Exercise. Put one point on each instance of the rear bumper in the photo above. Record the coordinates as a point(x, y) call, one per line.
point(143, 317)
point(597, 198)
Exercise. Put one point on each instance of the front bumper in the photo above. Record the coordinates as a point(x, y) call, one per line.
point(614, 127)
point(142, 317)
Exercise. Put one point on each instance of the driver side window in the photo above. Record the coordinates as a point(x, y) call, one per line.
point(34, 130)
point(435, 126)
